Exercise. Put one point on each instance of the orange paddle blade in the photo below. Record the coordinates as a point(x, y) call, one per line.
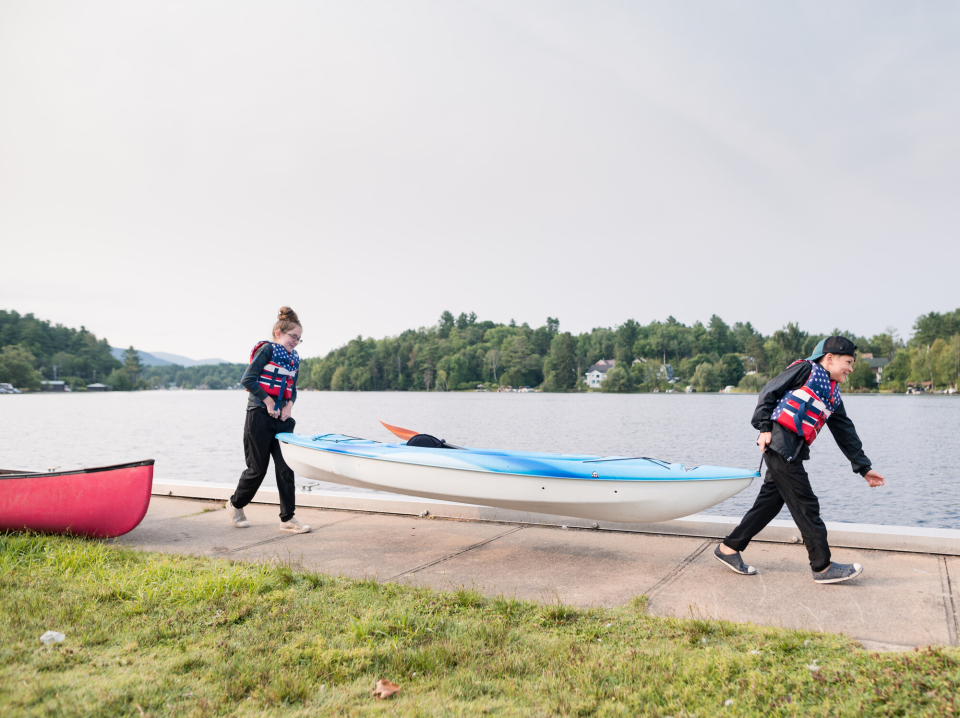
point(399, 431)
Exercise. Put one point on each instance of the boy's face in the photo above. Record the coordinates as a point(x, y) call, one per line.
point(838, 366)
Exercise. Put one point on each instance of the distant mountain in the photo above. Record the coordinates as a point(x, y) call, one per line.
point(145, 359)
point(187, 361)
point(166, 359)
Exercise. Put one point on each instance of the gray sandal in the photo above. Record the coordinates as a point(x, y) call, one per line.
point(734, 562)
point(837, 572)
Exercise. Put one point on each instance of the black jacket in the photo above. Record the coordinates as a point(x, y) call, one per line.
point(791, 445)
point(251, 379)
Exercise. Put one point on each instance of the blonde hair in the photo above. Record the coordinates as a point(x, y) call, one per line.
point(287, 319)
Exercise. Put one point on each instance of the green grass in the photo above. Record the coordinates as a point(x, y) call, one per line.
point(151, 634)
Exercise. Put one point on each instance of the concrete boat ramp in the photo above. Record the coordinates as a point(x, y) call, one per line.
point(907, 596)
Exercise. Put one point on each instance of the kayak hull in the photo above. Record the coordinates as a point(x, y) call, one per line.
point(624, 500)
point(101, 502)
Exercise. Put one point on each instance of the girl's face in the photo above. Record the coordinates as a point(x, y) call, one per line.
point(289, 339)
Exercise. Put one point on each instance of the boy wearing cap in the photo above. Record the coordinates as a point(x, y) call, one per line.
point(792, 409)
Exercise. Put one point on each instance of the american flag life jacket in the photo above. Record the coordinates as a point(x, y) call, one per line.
point(804, 411)
point(280, 373)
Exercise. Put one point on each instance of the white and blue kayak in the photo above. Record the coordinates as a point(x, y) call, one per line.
point(614, 488)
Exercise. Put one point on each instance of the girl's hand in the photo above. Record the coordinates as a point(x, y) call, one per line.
point(874, 479)
point(271, 407)
point(764, 440)
point(286, 411)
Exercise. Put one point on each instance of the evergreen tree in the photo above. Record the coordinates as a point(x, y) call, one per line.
point(627, 335)
point(720, 333)
point(132, 365)
point(563, 362)
point(446, 323)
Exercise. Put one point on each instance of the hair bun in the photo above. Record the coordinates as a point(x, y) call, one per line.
point(288, 315)
point(286, 320)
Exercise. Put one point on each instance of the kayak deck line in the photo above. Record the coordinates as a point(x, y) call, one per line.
point(879, 537)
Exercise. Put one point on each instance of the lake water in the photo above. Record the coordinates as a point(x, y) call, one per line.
point(914, 441)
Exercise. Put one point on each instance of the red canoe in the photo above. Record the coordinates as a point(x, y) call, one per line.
point(103, 502)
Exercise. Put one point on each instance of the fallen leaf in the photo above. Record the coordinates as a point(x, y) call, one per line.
point(385, 688)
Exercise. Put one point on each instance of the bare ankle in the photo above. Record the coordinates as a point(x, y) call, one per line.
point(726, 550)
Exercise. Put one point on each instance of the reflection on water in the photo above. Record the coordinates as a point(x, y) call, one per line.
point(197, 436)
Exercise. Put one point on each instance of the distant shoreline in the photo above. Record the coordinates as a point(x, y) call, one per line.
point(467, 392)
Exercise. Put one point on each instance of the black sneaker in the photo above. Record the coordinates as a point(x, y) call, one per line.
point(734, 562)
point(837, 572)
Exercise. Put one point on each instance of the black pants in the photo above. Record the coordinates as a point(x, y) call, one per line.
point(787, 483)
point(259, 443)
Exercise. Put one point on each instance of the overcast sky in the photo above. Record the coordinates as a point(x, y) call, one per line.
point(172, 172)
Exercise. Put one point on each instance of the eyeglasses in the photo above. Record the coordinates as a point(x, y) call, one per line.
point(294, 336)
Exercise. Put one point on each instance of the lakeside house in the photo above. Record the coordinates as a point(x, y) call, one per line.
point(876, 365)
point(97, 387)
point(54, 386)
point(598, 372)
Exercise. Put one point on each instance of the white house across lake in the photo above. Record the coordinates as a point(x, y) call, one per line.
point(598, 372)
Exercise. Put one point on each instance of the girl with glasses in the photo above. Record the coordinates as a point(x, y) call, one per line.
point(271, 380)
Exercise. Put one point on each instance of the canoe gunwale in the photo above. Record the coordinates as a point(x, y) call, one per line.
point(74, 472)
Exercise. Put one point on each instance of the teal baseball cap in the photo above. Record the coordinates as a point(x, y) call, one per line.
point(833, 345)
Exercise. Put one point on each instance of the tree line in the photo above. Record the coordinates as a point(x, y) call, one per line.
point(460, 353)
point(33, 350)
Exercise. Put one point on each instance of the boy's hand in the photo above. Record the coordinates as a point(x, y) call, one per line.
point(764, 440)
point(271, 407)
point(286, 411)
point(874, 479)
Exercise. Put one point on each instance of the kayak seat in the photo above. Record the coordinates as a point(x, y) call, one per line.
point(427, 441)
